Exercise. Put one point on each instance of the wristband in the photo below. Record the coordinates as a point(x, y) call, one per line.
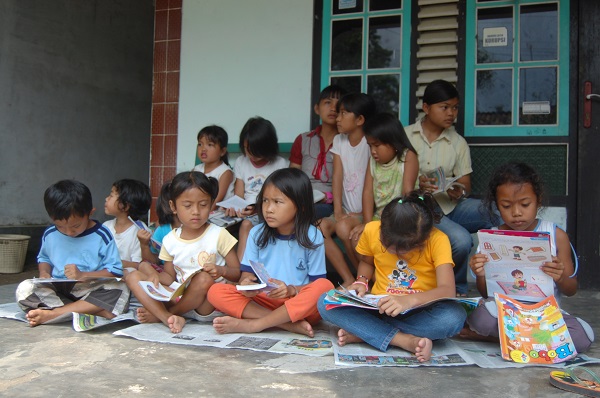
point(362, 276)
point(363, 283)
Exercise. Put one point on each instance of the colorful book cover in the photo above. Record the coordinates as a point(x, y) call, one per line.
point(533, 333)
point(514, 263)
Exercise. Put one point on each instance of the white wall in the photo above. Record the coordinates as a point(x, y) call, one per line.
point(241, 59)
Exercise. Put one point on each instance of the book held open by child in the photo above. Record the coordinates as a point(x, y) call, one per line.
point(263, 277)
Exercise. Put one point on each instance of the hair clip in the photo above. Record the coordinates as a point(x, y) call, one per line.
point(421, 197)
point(400, 201)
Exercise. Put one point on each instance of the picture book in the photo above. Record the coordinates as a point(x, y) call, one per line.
point(444, 184)
point(263, 276)
point(234, 202)
point(140, 224)
point(218, 217)
point(533, 333)
point(166, 293)
point(514, 263)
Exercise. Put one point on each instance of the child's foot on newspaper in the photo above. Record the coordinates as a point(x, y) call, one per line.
point(145, 316)
point(423, 349)
point(347, 338)
point(300, 327)
point(39, 316)
point(176, 323)
point(229, 324)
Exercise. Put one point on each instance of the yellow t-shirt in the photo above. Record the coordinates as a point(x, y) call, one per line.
point(414, 272)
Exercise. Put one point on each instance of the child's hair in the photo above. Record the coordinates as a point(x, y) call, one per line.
point(193, 179)
point(261, 139)
point(406, 222)
point(67, 198)
point(387, 129)
point(136, 195)
point(512, 173)
point(216, 135)
point(294, 184)
point(332, 91)
point(439, 91)
point(163, 210)
point(517, 271)
point(359, 104)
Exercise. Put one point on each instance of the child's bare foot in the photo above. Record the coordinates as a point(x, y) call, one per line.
point(347, 338)
point(145, 316)
point(38, 316)
point(300, 327)
point(229, 324)
point(423, 349)
point(175, 323)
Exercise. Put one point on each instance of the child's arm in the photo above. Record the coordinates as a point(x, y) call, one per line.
point(561, 266)
point(411, 172)
point(72, 272)
point(147, 254)
point(224, 182)
point(477, 263)
point(366, 268)
point(45, 270)
point(368, 206)
point(394, 305)
point(337, 181)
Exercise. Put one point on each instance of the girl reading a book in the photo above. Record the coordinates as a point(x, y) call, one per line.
point(517, 191)
point(197, 254)
point(411, 263)
point(292, 251)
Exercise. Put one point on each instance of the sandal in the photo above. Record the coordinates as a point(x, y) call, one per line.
point(567, 380)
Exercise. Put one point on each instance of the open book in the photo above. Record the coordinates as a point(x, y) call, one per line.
point(156, 245)
point(444, 184)
point(514, 263)
point(349, 298)
point(533, 333)
point(166, 293)
point(219, 218)
point(263, 276)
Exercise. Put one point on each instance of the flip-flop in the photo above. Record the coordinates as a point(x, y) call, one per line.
point(567, 380)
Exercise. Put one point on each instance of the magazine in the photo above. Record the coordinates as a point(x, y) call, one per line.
point(139, 224)
point(235, 202)
point(533, 333)
point(219, 218)
point(263, 276)
point(444, 184)
point(162, 292)
point(514, 263)
point(349, 298)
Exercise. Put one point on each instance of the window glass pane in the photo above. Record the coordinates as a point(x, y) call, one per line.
point(346, 44)
point(378, 5)
point(494, 35)
point(347, 6)
point(352, 84)
point(537, 95)
point(385, 90)
point(539, 32)
point(493, 97)
point(384, 42)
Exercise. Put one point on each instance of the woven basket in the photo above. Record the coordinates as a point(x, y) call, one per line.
point(13, 249)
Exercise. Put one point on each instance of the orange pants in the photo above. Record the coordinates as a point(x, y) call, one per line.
point(226, 298)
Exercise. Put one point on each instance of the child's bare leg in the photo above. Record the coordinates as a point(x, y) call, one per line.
point(343, 229)
point(420, 346)
point(194, 297)
point(244, 231)
point(333, 252)
point(40, 316)
point(256, 318)
point(347, 338)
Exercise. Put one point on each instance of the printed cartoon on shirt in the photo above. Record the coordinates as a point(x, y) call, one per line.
point(402, 278)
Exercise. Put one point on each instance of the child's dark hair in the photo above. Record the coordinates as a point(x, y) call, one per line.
point(358, 103)
point(387, 129)
point(512, 173)
point(163, 210)
point(135, 195)
point(332, 91)
point(406, 222)
point(193, 179)
point(67, 198)
point(217, 135)
point(294, 184)
point(261, 139)
point(439, 91)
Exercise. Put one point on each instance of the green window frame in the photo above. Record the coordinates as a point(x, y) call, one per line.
point(364, 18)
point(531, 120)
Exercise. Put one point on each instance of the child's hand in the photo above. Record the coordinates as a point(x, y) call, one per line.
point(359, 288)
point(72, 272)
point(251, 280)
point(215, 271)
point(144, 237)
point(554, 268)
point(356, 232)
point(279, 293)
point(394, 305)
point(477, 262)
point(426, 183)
point(154, 278)
point(246, 211)
point(44, 274)
point(456, 192)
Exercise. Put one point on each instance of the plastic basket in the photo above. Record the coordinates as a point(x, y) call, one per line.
point(13, 249)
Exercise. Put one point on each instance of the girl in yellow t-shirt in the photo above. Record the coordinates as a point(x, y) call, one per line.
point(412, 264)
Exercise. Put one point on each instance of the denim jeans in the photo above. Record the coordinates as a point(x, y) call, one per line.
point(468, 217)
point(437, 321)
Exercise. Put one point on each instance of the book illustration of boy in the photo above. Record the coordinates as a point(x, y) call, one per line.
point(519, 282)
point(517, 252)
point(78, 248)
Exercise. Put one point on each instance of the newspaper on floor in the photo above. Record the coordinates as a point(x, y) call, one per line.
point(203, 334)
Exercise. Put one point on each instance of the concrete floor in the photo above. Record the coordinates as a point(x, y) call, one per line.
point(54, 360)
